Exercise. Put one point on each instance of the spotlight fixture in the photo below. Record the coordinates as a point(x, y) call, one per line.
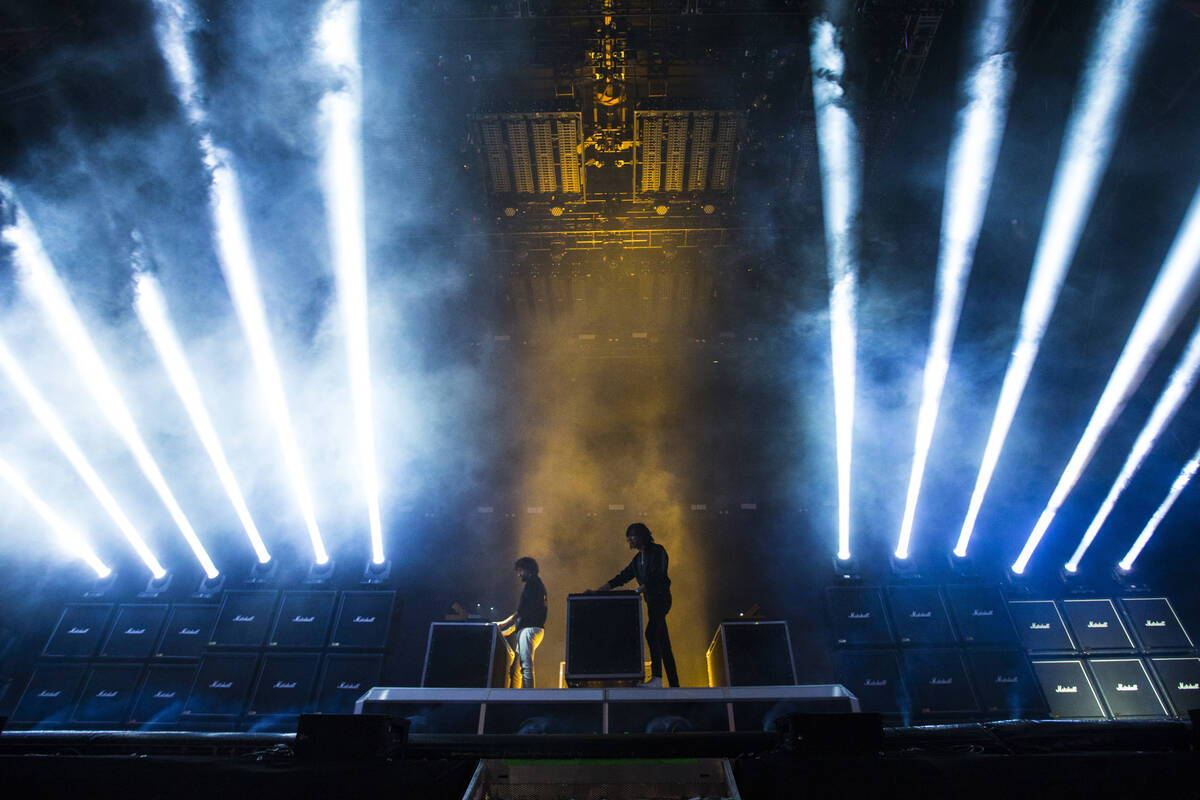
point(209, 588)
point(1128, 580)
point(846, 570)
point(376, 573)
point(905, 569)
point(156, 586)
point(320, 573)
point(263, 572)
point(1075, 583)
point(101, 587)
point(965, 568)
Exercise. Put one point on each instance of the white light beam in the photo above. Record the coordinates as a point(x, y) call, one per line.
point(971, 165)
point(837, 144)
point(341, 109)
point(1177, 487)
point(58, 432)
point(152, 311)
point(1087, 145)
point(1172, 294)
point(39, 278)
point(236, 257)
point(69, 538)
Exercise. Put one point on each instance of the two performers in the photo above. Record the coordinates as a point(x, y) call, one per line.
point(648, 567)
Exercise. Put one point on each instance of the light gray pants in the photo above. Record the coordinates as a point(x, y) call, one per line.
point(527, 641)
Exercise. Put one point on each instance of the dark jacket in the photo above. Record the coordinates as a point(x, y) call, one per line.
point(531, 609)
point(650, 569)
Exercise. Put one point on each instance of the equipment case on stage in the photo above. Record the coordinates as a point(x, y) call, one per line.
point(604, 637)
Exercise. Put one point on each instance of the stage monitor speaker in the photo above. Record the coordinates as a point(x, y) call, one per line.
point(856, 614)
point(1040, 626)
point(222, 685)
point(162, 695)
point(188, 631)
point(49, 697)
point(348, 737)
point(1127, 688)
point(303, 620)
point(79, 631)
point(639, 710)
point(344, 679)
point(874, 678)
point(456, 711)
point(1067, 688)
point(1096, 626)
point(363, 620)
point(1005, 684)
point(134, 632)
point(108, 694)
point(604, 637)
point(466, 655)
point(937, 683)
point(919, 616)
point(284, 685)
point(751, 653)
point(1156, 626)
point(529, 711)
point(245, 619)
point(1180, 680)
point(981, 616)
point(759, 708)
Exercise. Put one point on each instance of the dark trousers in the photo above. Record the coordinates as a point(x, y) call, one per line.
point(659, 640)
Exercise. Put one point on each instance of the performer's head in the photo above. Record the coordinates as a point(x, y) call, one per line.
point(526, 567)
point(638, 536)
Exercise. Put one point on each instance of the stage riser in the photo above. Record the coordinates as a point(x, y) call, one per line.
point(602, 711)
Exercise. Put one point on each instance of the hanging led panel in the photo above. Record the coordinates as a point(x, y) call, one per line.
point(686, 151)
point(531, 154)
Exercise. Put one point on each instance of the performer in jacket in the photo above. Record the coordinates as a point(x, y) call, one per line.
point(649, 567)
point(528, 622)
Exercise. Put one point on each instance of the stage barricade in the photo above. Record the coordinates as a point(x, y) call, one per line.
point(640, 710)
point(544, 711)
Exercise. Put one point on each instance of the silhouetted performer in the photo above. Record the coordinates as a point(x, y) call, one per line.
point(529, 620)
point(649, 566)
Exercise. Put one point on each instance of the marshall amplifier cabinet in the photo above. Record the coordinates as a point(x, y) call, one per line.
point(1127, 689)
point(874, 678)
point(1005, 684)
point(187, 632)
point(1155, 625)
point(303, 620)
point(284, 685)
point(751, 653)
point(344, 679)
point(1180, 680)
point(160, 699)
point(466, 655)
point(938, 684)
point(108, 694)
point(222, 685)
point(981, 616)
point(639, 710)
point(919, 616)
point(1040, 626)
point(134, 632)
point(856, 615)
point(1068, 689)
point(245, 619)
point(1097, 627)
point(529, 711)
point(363, 620)
point(79, 631)
point(604, 637)
point(49, 696)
